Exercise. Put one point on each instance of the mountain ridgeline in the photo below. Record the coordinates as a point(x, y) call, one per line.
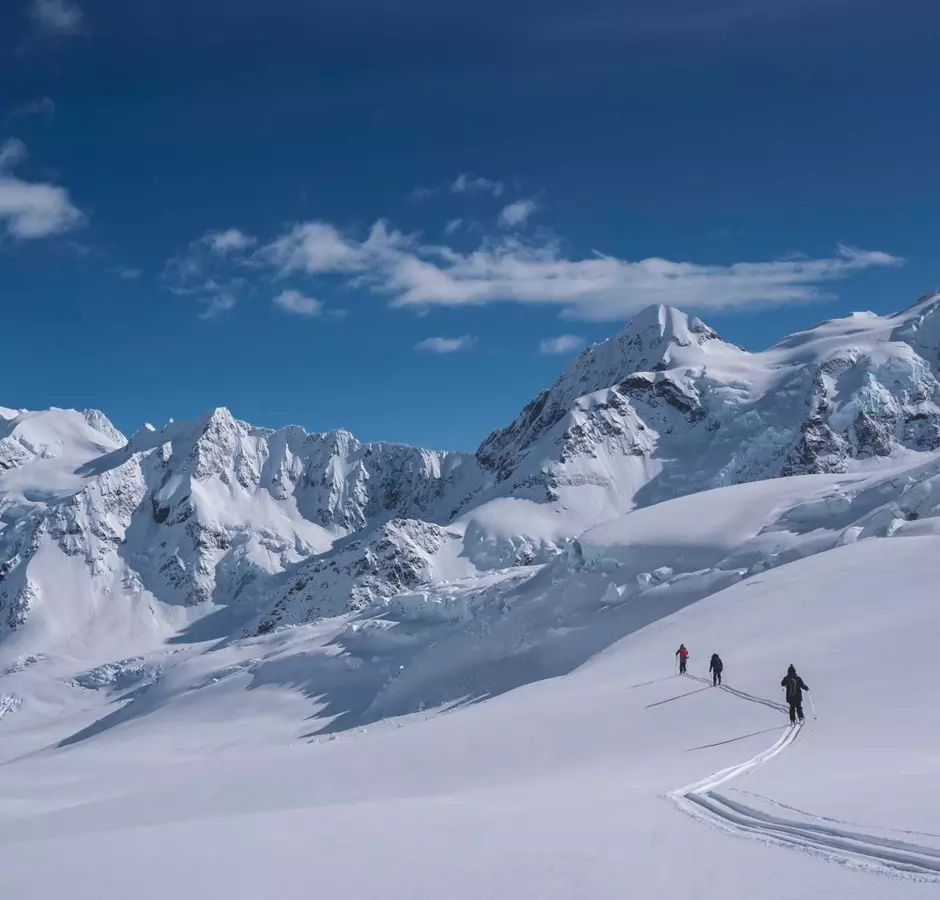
point(278, 527)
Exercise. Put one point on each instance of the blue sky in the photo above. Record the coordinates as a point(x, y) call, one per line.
point(380, 216)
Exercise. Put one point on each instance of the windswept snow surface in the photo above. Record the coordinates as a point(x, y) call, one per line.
point(348, 756)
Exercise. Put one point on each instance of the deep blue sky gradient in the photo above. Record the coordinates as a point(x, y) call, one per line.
point(746, 131)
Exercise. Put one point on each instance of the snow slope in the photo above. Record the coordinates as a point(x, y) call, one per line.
point(232, 780)
point(41, 453)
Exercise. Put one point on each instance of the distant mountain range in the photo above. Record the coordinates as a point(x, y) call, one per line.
point(101, 535)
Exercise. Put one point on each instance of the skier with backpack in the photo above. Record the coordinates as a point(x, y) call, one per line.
point(715, 667)
point(683, 656)
point(794, 686)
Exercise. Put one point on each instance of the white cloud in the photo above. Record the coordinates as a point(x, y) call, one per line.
point(32, 209)
point(229, 241)
point(470, 184)
point(210, 270)
point(515, 215)
point(57, 16)
point(605, 288)
point(44, 107)
point(218, 303)
point(316, 247)
point(441, 346)
point(298, 303)
point(594, 288)
point(424, 193)
point(129, 274)
point(464, 183)
point(510, 269)
point(193, 265)
point(453, 226)
point(562, 345)
point(12, 153)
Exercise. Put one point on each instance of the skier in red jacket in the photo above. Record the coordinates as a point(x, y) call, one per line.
point(683, 655)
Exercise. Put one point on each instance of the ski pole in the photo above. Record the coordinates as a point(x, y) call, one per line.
point(812, 705)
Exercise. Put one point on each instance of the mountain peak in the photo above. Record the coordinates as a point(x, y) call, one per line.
point(649, 342)
point(656, 339)
point(103, 425)
point(660, 324)
point(220, 417)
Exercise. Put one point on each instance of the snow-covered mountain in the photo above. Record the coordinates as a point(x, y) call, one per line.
point(370, 599)
point(193, 513)
point(399, 555)
point(139, 537)
point(666, 408)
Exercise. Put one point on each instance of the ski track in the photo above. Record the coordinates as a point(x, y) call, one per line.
point(770, 704)
point(831, 819)
point(853, 848)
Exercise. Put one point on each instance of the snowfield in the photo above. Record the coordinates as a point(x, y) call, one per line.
point(571, 785)
point(240, 663)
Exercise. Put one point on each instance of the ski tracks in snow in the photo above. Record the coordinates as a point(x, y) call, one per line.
point(770, 704)
point(813, 834)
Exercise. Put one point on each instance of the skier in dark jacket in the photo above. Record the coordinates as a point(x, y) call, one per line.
point(794, 686)
point(715, 667)
point(683, 655)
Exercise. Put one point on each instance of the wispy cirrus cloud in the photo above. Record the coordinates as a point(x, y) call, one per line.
point(506, 268)
point(12, 153)
point(509, 269)
point(517, 214)
point(32, 209)
point(63, 17)
point(218, 303)
point(319, 247)
point(299, 304)
point(231, 240)
point(562, 345)
point(224, 266)
point(464, 183)
point(210, 271)
point(442, 346)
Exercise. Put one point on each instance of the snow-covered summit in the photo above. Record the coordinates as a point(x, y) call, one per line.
point(195, 512)
point(657, 339)
point(41, 452)
point(666, 408)
point(54, 432)
point(216, 511)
